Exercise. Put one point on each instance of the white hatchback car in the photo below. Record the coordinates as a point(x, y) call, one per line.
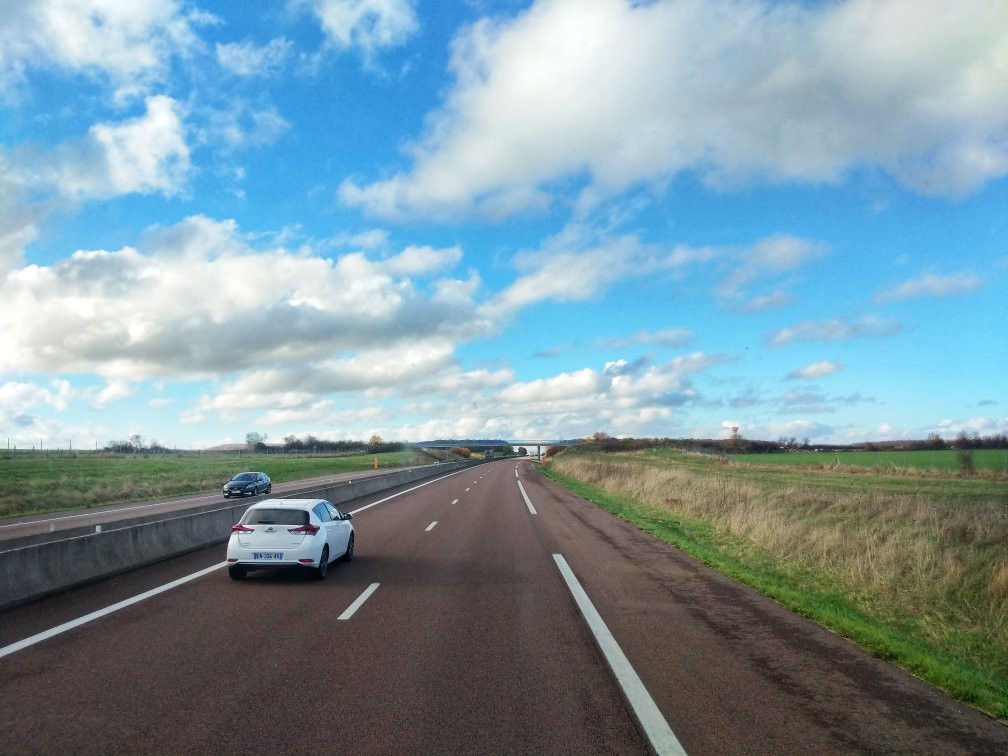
point(308, 533)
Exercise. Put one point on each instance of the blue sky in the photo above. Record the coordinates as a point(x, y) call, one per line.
point(502, 219)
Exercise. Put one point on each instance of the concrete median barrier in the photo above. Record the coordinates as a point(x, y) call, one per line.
point(29, 572)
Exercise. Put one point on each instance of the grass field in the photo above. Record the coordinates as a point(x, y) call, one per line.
point(991, 460)
point(36, 483)
point(912, 565)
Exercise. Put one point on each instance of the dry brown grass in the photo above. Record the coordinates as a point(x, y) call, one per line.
point(937, 563)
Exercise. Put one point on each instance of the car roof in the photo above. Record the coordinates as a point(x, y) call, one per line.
point(286, 504)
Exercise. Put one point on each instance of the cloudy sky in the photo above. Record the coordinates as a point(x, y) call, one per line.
point(511, 219)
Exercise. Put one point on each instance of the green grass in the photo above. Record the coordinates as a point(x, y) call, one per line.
point(39, 483)
point(935, 599)
point(790, 470)
point(991, 460)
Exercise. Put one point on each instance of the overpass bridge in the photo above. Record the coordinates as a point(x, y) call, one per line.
point(475, 444)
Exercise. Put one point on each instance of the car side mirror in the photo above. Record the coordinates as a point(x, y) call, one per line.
point(347, 516)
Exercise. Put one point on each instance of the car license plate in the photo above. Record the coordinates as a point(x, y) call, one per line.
point(267, 555)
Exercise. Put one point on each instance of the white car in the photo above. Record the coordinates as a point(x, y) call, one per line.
point(307, 533)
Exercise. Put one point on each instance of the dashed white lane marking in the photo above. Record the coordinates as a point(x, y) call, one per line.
point(349, 611)
point(430, 527)
point(454, 501)
point(528, 503)
point(467, 490)
point(402, 493)
point(59, 629)
point(657, 730)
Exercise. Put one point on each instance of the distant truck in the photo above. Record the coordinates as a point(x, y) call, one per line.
point(488, 455)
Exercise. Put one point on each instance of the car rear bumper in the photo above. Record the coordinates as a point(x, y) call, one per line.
point(247, 557)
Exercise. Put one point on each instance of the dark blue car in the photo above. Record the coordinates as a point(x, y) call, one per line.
point(248, 484)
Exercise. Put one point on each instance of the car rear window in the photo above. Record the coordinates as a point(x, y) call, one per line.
point(276, 517)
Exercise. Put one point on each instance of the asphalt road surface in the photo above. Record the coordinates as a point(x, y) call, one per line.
point(463, 625)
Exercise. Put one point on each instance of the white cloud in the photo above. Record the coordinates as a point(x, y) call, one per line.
point(580, 263)
point(249, 59)
point(372, 238)
point(237, 124)
point(635, 391)
point(18, 398)
point(196, 299)
point(837, 329)
point(612, 94)
point(114, 391)
point(816, 370)
point(129, 43)
point(667, 337)
point(19, 222)
point(771, 301)
point(417, 260)
point(930, 285)
point(583, 385)
point(145, 154)
point(772, 256)
point(367, 24)
point(982, 426)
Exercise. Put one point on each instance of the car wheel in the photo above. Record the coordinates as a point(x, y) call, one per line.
point(237, 572)
point(269, 488)
point(323, 566)
point(349, 549)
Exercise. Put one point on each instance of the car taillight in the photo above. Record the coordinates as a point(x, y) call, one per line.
point(239, 528)
point(308, 529)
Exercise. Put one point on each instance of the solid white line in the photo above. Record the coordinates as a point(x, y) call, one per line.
point(349, 611)
point(657, 730)
point(525, 496)
point(430, 527)
point(45, 635)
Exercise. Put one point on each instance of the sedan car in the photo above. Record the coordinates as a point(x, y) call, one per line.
point(248, 484)
point(304, 533)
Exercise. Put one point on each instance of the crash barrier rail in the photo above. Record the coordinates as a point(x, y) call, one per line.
point(34, 570)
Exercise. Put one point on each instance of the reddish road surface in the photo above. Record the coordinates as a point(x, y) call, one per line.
point(455, 630)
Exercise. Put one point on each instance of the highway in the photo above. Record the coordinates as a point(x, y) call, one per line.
point(55, 522)
point(463, 625)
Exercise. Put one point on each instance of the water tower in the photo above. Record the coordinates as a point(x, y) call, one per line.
point(734, 432)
